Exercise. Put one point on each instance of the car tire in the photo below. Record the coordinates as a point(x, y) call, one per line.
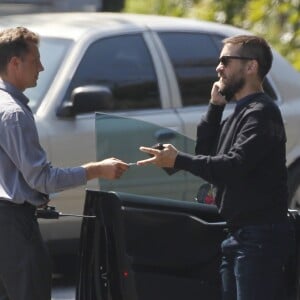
point(294, 187)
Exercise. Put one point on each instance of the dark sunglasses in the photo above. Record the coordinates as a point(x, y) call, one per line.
point(224, 60)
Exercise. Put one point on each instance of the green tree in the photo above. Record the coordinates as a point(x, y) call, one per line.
point(279, 22)
point(176, 8)
point(276, 20)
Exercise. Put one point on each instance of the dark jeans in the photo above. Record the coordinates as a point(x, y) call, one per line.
point(25, 272)
point(253, 262)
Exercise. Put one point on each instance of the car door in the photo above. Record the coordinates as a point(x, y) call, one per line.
point(135, 247)
point(145, 248)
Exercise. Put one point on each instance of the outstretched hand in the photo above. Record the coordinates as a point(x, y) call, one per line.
point(110, 168)
point(164, 158)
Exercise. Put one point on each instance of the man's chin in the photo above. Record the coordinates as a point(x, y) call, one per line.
point(34, 84)
point(229, 96)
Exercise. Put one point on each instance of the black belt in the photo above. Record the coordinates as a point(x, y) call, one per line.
point(13, 204)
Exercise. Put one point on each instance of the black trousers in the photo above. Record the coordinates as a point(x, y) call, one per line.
point(25, 271)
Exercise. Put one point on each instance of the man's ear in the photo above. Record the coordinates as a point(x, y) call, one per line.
point(252, 66)
point(14, 62)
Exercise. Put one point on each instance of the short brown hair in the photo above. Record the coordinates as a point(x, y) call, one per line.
point(14, 42)
point(256, 47)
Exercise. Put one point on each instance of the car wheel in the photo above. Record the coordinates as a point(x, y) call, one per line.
point(294, 187)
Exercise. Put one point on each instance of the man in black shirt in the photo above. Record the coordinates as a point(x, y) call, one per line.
point(243, 157)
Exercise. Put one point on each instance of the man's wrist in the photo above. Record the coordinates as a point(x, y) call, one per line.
point(92, 170)
point(216, 102)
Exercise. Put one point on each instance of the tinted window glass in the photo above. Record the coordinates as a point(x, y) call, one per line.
point(194, 58)
point(218, 39)
point(124, 65)
point(151, 180)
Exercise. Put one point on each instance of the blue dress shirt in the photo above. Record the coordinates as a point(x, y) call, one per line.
point(25, 173)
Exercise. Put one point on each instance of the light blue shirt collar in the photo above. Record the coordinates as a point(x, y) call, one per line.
point(11, 89)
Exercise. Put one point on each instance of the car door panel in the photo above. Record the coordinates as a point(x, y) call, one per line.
point(142, 247)
point(176, 260)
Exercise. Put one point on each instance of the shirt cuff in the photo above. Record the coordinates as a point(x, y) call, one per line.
point(183, 161)
point(214, 113)
point(80, 177)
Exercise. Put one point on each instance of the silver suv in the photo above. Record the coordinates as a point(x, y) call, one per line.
point(156, 69)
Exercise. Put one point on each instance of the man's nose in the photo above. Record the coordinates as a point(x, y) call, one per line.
point(219, 67)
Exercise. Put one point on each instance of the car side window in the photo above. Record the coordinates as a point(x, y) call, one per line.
point(194, 57)
point(124, 65)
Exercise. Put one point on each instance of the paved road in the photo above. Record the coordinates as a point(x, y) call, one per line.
point(63, 288)
point(63, 293)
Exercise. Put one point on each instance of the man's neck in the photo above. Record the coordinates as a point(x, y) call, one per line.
point(248, 90)
point(6, 79)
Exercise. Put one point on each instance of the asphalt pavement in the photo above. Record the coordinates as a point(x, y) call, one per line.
point(63, 293)
point(63, 287)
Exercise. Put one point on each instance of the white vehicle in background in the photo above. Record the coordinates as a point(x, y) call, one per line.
point(156, 69)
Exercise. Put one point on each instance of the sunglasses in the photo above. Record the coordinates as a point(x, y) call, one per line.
point(224, 60)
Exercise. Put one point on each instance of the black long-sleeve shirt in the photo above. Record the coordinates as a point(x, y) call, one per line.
point(244, 158)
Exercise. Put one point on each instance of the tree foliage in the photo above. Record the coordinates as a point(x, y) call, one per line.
point(276, 20)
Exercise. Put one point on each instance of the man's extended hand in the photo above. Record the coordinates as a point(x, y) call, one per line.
point(162, 158)
point(110, 168)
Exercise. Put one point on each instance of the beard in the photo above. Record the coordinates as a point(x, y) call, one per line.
point(232, 87)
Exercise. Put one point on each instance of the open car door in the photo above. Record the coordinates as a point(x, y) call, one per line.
point(143, 244)
point(145, 248)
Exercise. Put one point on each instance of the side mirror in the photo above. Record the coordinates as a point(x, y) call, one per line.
point(85, 99)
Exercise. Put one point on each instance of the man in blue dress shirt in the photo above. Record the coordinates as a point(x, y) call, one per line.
point(26, 177)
